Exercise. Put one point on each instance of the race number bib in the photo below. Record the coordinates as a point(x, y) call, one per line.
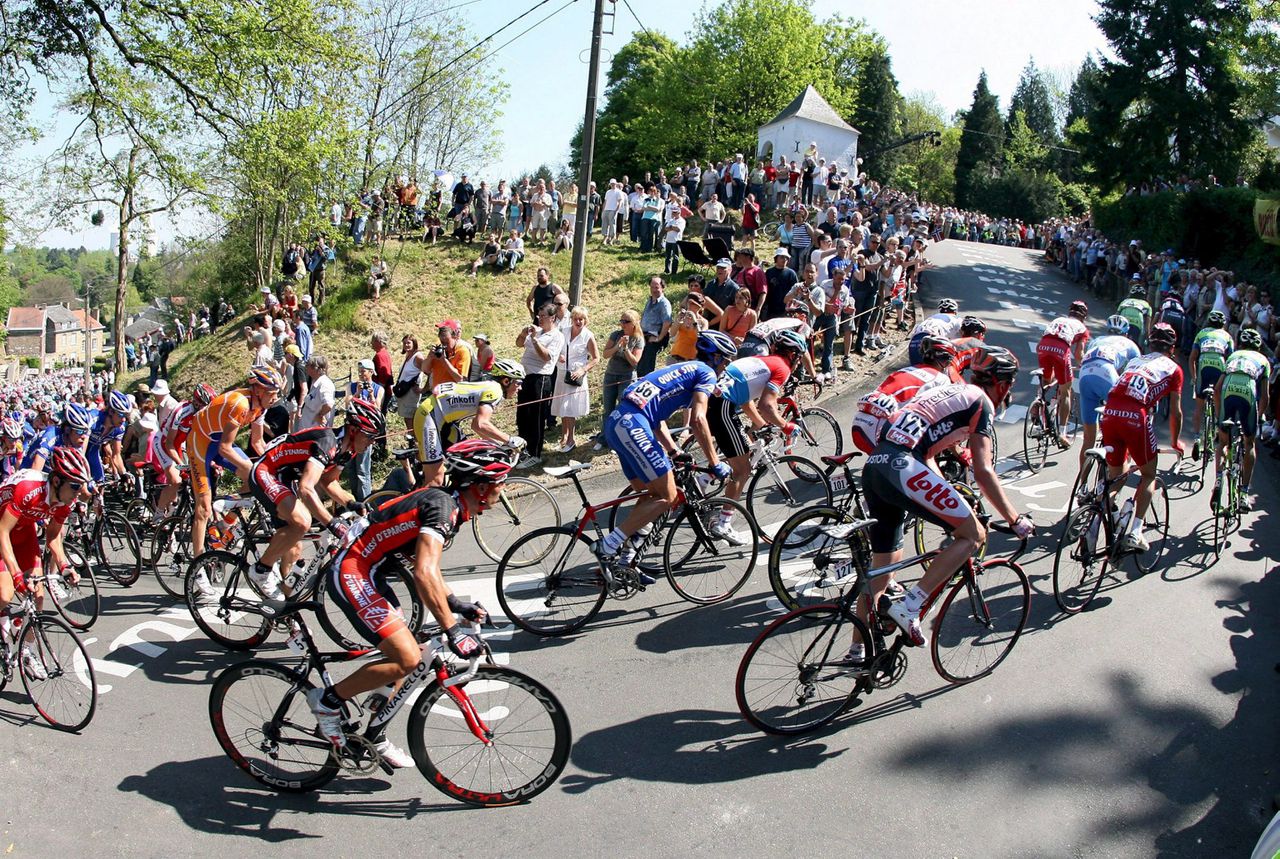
point(1138, 388)
point(907, 430)
point(641, 394)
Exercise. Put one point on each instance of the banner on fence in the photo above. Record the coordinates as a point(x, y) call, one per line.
point(1265, 213)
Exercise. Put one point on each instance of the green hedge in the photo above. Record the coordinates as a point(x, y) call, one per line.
point(1214, 226)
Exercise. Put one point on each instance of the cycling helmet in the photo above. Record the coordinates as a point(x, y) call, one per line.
point(712, 343)
point(993, 364)
point(1216, 319)
point(203, 395)
point(366, 418)
point(119, 403)
point(11, 429)
point(477, 461)
point(265, 377)
point(790, 341)
point(937, 350)
point(70, 464)
point(1249, 338)
point(1079, 310)
point(1163, 336)
point(972, 326)
point(948, 305)
point(1117, 324)
point(1137, 291)
point(77, 418)
point(505, 368)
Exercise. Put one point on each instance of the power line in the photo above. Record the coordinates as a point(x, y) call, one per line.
point(421, 17)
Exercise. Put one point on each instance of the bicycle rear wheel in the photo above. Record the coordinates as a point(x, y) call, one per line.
point(525, 505)
point(1078, 566)
point(704, 569)
point(782, 486)
point(557, 594)
point(59, 679)
point(171, 554)
point(793, 679)
point(1035, 447)
point(802, 555)
point(980, 621)
point(819, 434)
point(116, 545)
point(333, 620)
point(226, 616)
point(1155, 527)
point(527, 745)
point(260, 717)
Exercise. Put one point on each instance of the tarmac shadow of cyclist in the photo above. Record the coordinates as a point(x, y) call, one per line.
point(735, 622)
point(208, 795)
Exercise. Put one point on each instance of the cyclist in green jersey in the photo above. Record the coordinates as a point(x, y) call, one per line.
point(1241, 393)
point(1209, 354)
point(1137, 312)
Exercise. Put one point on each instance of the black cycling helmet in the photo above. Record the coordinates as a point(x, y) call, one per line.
point(1137, 291)
point(1162, 336)
point(937, 350)
point(972, 326)
point(1249, 339)
point(1216, 319)
point(1079, 310)
point(993, 364)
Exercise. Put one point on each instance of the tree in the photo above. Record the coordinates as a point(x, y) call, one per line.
point(1080, 98)
point(980, 143)
point(1023, 148)
point(1033, 100)
point(1184, 93)
point(928, 169)
point(878, 115)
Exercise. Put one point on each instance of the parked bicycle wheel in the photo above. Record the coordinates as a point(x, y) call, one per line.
point(784, 485)
point(1078, 566)
point(60, 681)
point(819, 434)
point(222, 615)
point(261, 719)
point(1035, 435)
point(116, 546)
point(980, 621)
point(801, 555)
point(171, 555)
point(524, 506)
point(558, 593)
point(794, 677)
point(704, 569)
point(527, 743)
point(1155, 527)
point(333, 620)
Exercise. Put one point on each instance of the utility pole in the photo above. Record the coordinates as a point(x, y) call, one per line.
point(588, 154)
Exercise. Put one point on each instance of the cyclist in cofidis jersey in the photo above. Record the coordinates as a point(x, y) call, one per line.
point(901, 478)
point(752, 385)
point(1137, 312)
point(1104, 361)
point(1208, 359)
point(10, 447)
point(437, 421)
point(875, 409)
point(1063, 341)
point(105, 435)
point(72, 432)
point(1241, 395)
point(171, 443)
point(1128, 427)
point(411, 529)
point(637, 432)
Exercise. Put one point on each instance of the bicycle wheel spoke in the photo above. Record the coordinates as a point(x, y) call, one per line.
point(557, 593)
point(802, 556)
point(980, 621)
point(786, 484)
point(706, 569)
point(523, 507)
point(57, 674)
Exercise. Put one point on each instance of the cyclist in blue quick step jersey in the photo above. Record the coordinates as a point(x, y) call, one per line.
point(74, 432)
point(1104, 361)
point(107, 431)
point(637, 432)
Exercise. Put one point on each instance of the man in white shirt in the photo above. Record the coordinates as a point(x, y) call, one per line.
point(165, 402)
point(614, 200)
point(635, 205)
point(672, 233)
point(712, 211)
point(317, 408)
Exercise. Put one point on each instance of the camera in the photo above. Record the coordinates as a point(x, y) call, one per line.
point(438, 351)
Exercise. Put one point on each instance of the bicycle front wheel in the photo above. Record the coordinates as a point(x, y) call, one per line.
point(705, 569)
point(261, 719)
point(794, 677)
point(557, 594)
point(1155, 527)
point(524, 506)
point(980, 621)
point(116, 544)
point(171, 554)
point(802, 555)
point(782, 486)
point(526, 745)
point(819, 434)
point(224, 610)
point(57, 673)
point(1078, 566)
point(80, 604)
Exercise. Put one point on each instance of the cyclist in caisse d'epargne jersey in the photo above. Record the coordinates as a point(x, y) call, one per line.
point(437, 421)
point(898, 480)
point(879, 406)
point(1104, 361)
point(1208, 359)
point(1240, 395)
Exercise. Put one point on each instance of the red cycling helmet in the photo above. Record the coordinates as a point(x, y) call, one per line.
point(365, 417)
point(203, 395)
point(70, 463)
point(477, 461)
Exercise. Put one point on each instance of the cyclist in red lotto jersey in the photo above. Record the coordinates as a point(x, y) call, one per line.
point(1128, 427)
point(1063, 341)
point(900, 477)
point(874, 409)
point(414, 528)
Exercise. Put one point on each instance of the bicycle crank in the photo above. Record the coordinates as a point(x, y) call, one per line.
point(357, 756)
point(889, 667)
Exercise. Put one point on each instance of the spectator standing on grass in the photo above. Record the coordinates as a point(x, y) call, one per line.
point(317, 259)
point(672, 233)
point(740, 317)
point(655, 325)
point(572, 397)
point(382, 366)
point(359, 471)
point(449, 361)
point(747, 273)
point(650, 213)
point(542, 343)
point(541, 203)
point(480, 205)
point(317, 408)
point(406, 389)
point(635, 208)
point(263, 354)
point(712, 212)
point(499, 199)
point(543, 292)
point(308, 314)
point(295, 379)
point(482, 361)
point(780, 278)
point(614, 201)
point(593, 207)
point(622, 351)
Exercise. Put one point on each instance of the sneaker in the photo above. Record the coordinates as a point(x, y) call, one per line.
point(856, 657)
point(33, 665)
point(1134, 542)
point(1063, 441)
point(1246, 506)
point(724, 531)
point(205, 592)
point(846, 364)
point(395, 757)
point(528, 461)
point(908, 622)
point(328, 720)
point(268, 583)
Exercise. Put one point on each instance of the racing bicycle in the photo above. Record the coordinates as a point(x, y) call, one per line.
point(1226, 510)
point(57, 673)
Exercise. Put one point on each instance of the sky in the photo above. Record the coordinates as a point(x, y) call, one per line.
point(938, 47)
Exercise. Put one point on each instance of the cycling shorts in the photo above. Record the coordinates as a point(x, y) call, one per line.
point(1207, 378)
point(361, 590)
point(895, 483)
point(1097, 378)
point(630, 435)
point(726, 428)
point(25, 539)
point(1054, 356)
point(164, 461)
point(1128, 431)
point(270, 491)
point(752, 347)
point(202, 463)
point(1243, 411)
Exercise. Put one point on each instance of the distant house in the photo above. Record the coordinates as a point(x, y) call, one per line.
point(808, 119)
point(53, 334)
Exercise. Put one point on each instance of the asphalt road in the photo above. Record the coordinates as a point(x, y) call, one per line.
point(1146, 725)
